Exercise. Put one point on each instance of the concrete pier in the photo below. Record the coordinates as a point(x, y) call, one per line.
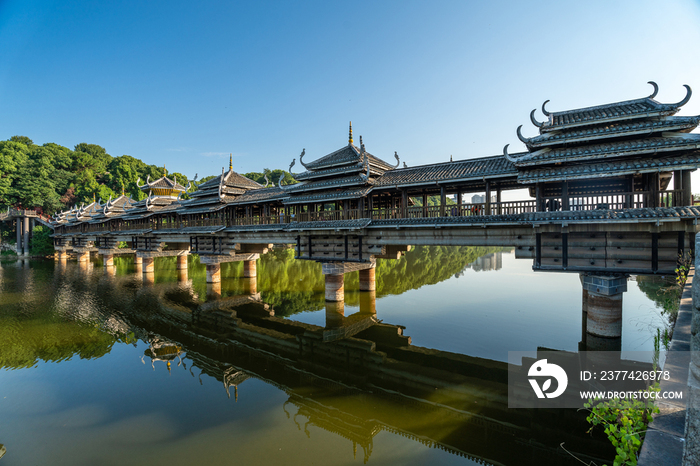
point(26, 233)
point(182, 262)
point(335, 287)
point(148, 265)
point(602, 311)
point(367, 282)
point(83, 256)
point(249, 269)
point(108, 260)
point(213, 273)
point(335, 271)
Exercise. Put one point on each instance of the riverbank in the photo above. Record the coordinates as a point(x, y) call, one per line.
point(665, 438)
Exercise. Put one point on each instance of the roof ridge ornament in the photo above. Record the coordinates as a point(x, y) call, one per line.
point(521, 137)
point(230, 161)
point(350, 135)
point(535, 122)
point(506, 155)
point(363, 152)
point(301, 156)
point(291, 165)
point(687, 96)
point(544, 110)
point(656, 89)
point(396, 155)
point(267, 181)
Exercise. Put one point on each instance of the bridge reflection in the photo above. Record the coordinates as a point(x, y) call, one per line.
point(355, 376)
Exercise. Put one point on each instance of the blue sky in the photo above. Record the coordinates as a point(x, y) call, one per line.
point(186, 83)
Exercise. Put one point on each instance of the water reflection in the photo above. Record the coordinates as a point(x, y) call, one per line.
point(356, 379)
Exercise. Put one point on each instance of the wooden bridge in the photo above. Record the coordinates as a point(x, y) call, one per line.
point(598, 180)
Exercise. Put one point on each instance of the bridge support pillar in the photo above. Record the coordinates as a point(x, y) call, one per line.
point(213, 273)
point(367, 282)
point(19, 226)
point(334, 272)
point(108, 260)
point(25, 229)
point(182, 262)
point(83, 257)
point(249, 269)
point(148, 264)
point(213, 264)
point(602, 309)
point(335, 287)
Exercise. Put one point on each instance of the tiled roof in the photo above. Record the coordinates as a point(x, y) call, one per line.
point(460, 171)
point(163, 183)
point(654, 145)
point(629, 109)
point(352, 180)
point(621, 129)
point(339, 194)
point(688, 161)
point(345, 169)
point(257, 195)
point(231, 179)
point(632, 215)
point(344, 156)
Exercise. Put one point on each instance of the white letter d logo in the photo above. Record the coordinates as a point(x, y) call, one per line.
point(542, 369)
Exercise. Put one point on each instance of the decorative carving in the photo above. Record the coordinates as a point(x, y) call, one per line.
point(301, 156)
point(544, 110)
point(532, 118)
point(396, 155)
point(656, 90)
point(521, 137)
point(687, 96)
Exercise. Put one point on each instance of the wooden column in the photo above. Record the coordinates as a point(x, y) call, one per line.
point(654, 189)
point(687, 198)
point(565, 195)
point(404, 203)
point(425, 205)
point(443, 201)
point(488, 198)
point(459, 202)
point(538, 197)
point(498, 200)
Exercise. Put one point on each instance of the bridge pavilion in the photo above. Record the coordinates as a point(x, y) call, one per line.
point(599, 202)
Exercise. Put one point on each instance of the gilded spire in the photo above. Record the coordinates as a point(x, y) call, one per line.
point(93, 198)
point(122, 189)
point(350, 138)
point(230, 162)
point(165, 171)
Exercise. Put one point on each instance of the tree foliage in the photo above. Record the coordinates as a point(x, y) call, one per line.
point(52, 177)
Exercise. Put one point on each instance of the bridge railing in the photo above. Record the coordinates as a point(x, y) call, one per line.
point(666, 197)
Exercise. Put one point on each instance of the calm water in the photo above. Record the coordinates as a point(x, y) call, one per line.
point(106, 368)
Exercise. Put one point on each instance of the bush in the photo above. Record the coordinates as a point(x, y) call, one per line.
point(41, 244)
